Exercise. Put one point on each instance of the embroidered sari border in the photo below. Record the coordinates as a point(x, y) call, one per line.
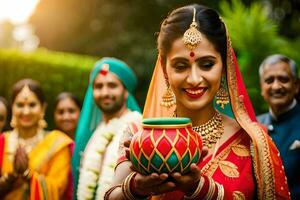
point(212, 165)
point(263, 166)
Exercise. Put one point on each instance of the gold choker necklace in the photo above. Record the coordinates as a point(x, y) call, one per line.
point(211, 131)
point(30, 143)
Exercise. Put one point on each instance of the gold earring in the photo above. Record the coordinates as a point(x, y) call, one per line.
point(222, 97)
point(42, 122)
point(168, 99)
point(13, 122)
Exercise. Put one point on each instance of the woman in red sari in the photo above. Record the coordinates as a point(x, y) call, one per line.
point(197, 65)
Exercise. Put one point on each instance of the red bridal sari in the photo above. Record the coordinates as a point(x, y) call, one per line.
point(248, 164)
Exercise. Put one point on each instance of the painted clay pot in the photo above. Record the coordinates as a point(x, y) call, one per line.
point(165, 145)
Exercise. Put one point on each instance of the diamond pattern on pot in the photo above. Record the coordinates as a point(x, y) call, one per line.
point(184, 133)
point(156, 162)
point(157, 133)
point(165, 150)
point(164, 147)
point(148, 146)
point(136, 148)
point(181, 146)
point(192, 145)
point(185, 160)
point(172, 161)
point(144, 161)
point(172, 134)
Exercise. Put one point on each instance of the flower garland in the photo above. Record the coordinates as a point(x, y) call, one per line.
point(14, 141)
point(100, 157)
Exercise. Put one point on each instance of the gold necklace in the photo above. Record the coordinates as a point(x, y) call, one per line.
point(211, 131)
point(30, 143)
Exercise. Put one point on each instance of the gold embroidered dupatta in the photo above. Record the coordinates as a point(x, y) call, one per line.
point(270, 178)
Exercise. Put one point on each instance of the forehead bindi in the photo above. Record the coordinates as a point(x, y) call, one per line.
point(26, 95)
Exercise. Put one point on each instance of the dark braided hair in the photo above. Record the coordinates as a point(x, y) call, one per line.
point(33, 85)
point(178, 21)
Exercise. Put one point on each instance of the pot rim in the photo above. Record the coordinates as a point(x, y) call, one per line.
point(166, 122)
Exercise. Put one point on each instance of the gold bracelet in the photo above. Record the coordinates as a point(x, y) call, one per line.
point(27, 174)
point(108, 192)
point(197, 191)
point(211, 189)
point(220, 191)
point(126, 188)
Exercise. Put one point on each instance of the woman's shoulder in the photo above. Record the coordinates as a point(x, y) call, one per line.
point(56, 135)
point(231, 126)
point(132, 116)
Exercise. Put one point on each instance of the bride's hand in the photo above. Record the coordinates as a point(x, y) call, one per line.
point(188, 183)
point(153, 184)
point(127, 150)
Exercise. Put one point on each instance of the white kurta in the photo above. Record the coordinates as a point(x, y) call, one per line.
point(100, 157)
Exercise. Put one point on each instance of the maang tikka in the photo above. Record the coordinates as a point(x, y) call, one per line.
point(192, 36)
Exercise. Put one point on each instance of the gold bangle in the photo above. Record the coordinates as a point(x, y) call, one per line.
point(126, 188)
point(211, 189)
point(197, 191)
point(108, 192)
point(220, 191)
point(27, 174)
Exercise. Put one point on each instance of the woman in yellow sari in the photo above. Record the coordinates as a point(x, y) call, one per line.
point(34, 163)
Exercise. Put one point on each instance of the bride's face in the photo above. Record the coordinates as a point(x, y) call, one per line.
point(194, 75)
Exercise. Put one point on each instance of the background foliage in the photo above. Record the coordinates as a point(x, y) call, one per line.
point(127, 30)
point(255, 36)
point(56, 72)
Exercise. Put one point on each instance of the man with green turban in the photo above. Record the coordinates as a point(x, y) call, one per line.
point(108, 108)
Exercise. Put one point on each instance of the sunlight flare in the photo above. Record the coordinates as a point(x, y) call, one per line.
point(17, 11)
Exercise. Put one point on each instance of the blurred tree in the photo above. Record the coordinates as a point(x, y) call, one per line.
point(124, 29)
point(6, 35)
point(254, 36)
point(17, 36)
point(287, 14)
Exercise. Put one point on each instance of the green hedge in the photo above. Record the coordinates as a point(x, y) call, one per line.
point(55, 71)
